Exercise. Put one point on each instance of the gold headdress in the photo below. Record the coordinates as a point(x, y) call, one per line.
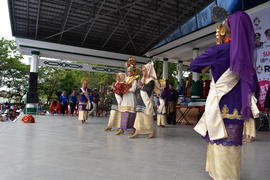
point(131, 61)
point(162, 83)
point(219, 16)
point(85, 80)
point(133, 69)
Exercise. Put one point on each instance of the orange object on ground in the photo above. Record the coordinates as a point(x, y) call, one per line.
point(28, 118)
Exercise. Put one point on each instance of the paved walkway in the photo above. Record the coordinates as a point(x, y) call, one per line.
point(60, 148)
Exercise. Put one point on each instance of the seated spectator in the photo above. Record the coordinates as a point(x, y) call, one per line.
point(1, 118)
point(40, 109)
point(54, 107)
point(11, 114)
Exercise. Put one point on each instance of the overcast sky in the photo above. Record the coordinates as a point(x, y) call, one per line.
point(5, 30)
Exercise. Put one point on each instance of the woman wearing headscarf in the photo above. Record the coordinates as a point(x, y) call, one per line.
point(144, 108)
point(128, 103)
point(84, 101)
point(229, 101)
point(115, 114)
point(161, 109)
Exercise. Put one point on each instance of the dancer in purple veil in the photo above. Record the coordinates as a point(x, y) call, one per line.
point(229, 101)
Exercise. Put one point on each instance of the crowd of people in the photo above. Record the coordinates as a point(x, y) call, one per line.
point(10, 111)
point(69, 104)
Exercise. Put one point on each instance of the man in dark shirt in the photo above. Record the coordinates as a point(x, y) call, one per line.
point(171, 102)
point(267, 101)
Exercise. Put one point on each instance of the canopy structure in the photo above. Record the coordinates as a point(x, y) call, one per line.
point(121, 26)
point(103, 32)
point(198, 33)
point(73, 53)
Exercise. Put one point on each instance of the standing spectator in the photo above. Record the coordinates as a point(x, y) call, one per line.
point(101, 106)
point(73, 102)
point(1, 108)
point(267, 101)
point(64, 102)
point(96, 100)
point(264, 126)
point(171, 102)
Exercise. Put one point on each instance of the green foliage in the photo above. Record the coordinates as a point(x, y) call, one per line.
point(171, 71)
point(53, 81)
point(13, 73)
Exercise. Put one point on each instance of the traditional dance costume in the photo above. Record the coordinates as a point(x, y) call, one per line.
point(128, 105)
point(83, 106)
point(144, 108)
point(249, 125)
point(115, 114)
point(228, 102)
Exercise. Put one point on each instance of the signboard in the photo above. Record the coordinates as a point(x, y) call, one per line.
point(261, 26)
point(81, 67)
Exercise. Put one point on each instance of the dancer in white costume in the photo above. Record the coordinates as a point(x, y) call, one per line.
point(115, 114)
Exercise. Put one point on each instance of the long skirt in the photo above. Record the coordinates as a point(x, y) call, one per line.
point(161, 119)
point(83, 115)
point(127, 120)
point(144, 123)
point(249, 128)
point(115, 119)
point(223, 162)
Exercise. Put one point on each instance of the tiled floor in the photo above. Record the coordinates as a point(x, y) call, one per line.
point(60, 148)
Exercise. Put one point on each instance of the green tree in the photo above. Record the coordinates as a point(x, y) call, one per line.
point(13, 73)
point(53, 81)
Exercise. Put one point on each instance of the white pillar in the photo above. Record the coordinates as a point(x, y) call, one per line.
point(165, 68)
point(34, 61)
point(195, 76)
point(180, 71)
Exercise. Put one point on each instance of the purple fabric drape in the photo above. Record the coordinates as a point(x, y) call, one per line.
point(242, 49)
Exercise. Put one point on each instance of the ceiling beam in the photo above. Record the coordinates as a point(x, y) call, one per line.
point(88, 21)
point(27, 20)
point(119, 23)
point(156, 38)
point(164, 31)
point(97, 15)
point(125, 26)
point(13, 14)
point(37, 21)
point(66, 15)
point(143, 25)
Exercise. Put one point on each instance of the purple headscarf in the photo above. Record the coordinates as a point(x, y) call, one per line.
point(242, 49)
